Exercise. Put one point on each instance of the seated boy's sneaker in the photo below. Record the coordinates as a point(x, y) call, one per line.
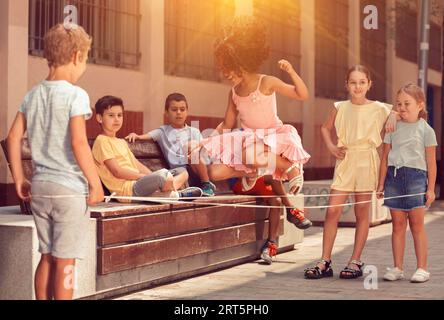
point(191, 192)
point(268, 251)
point(208, 189)
point(297, 217)
point(420, 276)
point(394, 274)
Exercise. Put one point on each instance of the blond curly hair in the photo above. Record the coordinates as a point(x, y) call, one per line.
point(60, 44)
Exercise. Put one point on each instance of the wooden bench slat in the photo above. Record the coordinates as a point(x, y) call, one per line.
point(130, 256)
point(145, 227)
point(115, 209)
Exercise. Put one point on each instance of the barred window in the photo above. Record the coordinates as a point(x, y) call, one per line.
point(407, 30)
point(282, 20)
point(374, 50)
point(113, 24)
point(191, 28)
point(435, 55)
point(331, 48)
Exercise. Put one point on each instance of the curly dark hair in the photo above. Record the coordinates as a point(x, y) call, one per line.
point(243, 46)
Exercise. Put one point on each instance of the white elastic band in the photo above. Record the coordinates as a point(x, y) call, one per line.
point(172, 201)
point(222, 197)
point(207, 202)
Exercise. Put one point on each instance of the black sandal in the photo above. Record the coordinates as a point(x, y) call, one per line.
point(350, 273)
point(317, 273)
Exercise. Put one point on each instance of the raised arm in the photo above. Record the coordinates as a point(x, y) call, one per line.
point(85, 160)
point(298, 90)
point(431, 173)
point(326, 129)
point(14, 146)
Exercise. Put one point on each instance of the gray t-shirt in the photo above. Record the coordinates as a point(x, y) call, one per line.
point(173, 141)
point(408, 144)
point(48, 108)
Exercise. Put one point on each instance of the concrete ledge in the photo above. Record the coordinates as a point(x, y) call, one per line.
point(19, 258)
point(18, 255)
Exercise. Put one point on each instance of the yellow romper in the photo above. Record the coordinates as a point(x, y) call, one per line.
point(358, 128)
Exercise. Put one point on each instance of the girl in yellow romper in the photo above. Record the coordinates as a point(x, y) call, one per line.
point(358, 123)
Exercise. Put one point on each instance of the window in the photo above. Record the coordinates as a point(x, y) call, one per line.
point(407, 30)
point(191, 28)
point(435, 55)
point(113, 24)
point(374, 50)
point(282, 20)
point(331, 48)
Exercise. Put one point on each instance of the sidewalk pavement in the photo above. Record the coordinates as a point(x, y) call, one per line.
point(284, 278)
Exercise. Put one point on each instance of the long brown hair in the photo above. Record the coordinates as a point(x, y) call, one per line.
point(359, 68)
point(416, 93)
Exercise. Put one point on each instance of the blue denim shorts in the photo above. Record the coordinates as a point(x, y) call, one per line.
point(405, 181)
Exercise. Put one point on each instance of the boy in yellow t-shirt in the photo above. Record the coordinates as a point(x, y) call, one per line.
point(119, 169)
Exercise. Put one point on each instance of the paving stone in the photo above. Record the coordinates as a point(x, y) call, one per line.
point(284, 278)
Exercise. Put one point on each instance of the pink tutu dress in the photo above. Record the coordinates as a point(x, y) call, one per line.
point(260, 124)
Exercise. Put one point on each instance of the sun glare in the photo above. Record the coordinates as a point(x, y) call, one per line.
point(244, 8)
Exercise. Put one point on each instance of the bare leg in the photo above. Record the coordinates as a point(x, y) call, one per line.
point(278, 188)
point(201, 170)
point(362, 212)
point(197, 163)
point(260, 156)
point(218, 172)
point(416, 222)
point(331, 223)
point(176, 182)
point(64, 279)
point(330, 227)
point(43, 281)
point(179, 180)
point(399, 223)
point(274, 217)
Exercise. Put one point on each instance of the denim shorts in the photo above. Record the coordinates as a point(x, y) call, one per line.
point(405, 181)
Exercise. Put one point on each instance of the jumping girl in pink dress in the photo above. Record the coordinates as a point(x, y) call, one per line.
point(264, 145)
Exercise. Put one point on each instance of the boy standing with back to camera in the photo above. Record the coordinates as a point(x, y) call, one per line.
point(65, 181)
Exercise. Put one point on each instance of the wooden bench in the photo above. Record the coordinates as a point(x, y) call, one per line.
point(142, 244)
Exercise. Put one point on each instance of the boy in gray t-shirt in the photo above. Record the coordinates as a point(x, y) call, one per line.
point(177, 140)
point(54, 114)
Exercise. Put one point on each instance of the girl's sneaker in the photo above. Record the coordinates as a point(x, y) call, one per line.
point(420, 276)
point(268, 251)
point(394, 274)
point(297, 217)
